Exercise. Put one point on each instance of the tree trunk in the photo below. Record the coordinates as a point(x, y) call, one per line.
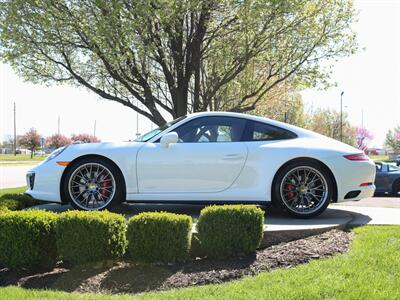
point(181, 105)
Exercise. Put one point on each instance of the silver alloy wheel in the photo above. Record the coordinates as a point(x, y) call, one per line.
point(304, 190)
point(91, 186)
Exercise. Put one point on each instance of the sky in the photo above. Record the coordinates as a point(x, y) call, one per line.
point(370, 80)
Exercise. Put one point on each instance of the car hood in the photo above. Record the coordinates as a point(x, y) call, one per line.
point(117, 149)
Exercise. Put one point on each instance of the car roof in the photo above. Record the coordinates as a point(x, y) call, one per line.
point(299, 131)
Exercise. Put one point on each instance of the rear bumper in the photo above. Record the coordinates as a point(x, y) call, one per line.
point(350, 175)
point(362, 192)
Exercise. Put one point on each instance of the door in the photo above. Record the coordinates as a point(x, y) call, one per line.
point(208, 158)
point(381, 179)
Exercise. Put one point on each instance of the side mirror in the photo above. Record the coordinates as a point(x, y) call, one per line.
point(169, 138)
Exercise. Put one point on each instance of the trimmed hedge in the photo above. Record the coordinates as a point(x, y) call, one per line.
point(159, 237)
point(3, 209)
point(11, 204)
point(27, 239)
point(230, 229)
point(17, 201)
point(88, 236)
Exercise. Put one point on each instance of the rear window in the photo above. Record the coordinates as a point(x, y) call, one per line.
point(257, 131)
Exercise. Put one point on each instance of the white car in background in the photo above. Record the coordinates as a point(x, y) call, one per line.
point(211, 157)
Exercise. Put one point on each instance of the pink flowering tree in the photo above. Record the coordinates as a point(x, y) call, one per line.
point(393, 139)
point(84, 138)
point(31, 140)
point(363, 138)
point(57, 140)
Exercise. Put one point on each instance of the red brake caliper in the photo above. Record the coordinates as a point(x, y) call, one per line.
point(105, 184)
point(290, 188)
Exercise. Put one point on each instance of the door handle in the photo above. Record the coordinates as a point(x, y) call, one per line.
point(232, 156)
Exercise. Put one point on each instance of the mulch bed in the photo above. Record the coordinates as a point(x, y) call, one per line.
point(125, 277)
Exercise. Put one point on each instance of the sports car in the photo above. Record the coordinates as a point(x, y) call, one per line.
point(208, 158)
point(387, 179)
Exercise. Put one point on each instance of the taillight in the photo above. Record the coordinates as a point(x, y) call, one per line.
point(357, 157)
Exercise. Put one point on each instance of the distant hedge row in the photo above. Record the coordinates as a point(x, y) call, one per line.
point(38, 238)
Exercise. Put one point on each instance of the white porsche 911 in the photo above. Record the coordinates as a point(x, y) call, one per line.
point(211, 157)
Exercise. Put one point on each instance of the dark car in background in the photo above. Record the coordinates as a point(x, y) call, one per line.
point(387, 180)
point(398, 160)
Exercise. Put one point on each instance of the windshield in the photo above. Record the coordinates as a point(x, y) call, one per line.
point(149, 135)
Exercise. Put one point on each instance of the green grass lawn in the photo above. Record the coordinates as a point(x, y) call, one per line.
point(371, 270)
point(380, 158)
point(20, 159)
point(17, 190)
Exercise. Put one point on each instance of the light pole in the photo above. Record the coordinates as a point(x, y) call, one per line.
point(137, 124)
point(341, 116)
point(15, 130)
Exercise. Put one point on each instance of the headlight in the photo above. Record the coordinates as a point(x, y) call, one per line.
point(55, 153)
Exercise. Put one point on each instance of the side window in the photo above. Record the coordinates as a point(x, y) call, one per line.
point(393, 168)
point(256, 131)
point(211, 130)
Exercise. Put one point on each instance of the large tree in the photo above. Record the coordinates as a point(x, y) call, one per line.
point(170, 57)
point(31, 140)
point(327, 122)
point(57, 140)
point(282, 104)
point(84, 138)
point(363, 138)
point(392, 140)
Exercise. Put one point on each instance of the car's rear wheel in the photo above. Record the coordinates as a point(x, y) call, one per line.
point(396, 189)
point(93, 184)
point(302, 189)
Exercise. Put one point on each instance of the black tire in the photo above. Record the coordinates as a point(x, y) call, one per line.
point(396, 189)
point(278, 185)
point(115, 193)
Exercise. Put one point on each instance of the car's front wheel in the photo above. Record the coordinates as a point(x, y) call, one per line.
point(93, 184)
point(302, 189)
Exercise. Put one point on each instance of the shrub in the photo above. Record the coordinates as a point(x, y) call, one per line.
point(27, 239)
point(159, 237)
point(3, 209)
point(17, 201)
point(11, 204)
point(230, 229)
point(88, 236)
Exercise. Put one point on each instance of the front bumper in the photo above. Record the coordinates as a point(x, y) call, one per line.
point(43, 182)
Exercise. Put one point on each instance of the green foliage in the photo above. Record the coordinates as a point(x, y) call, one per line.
point(283, 104)
point(392, 140)
point(16, 201)
point(27, 239)
point(326, 121)
point(159, 237)
point(230, 229)
point(88, 236)
point(11, 204)
point(3, 209)
point(179, 55)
